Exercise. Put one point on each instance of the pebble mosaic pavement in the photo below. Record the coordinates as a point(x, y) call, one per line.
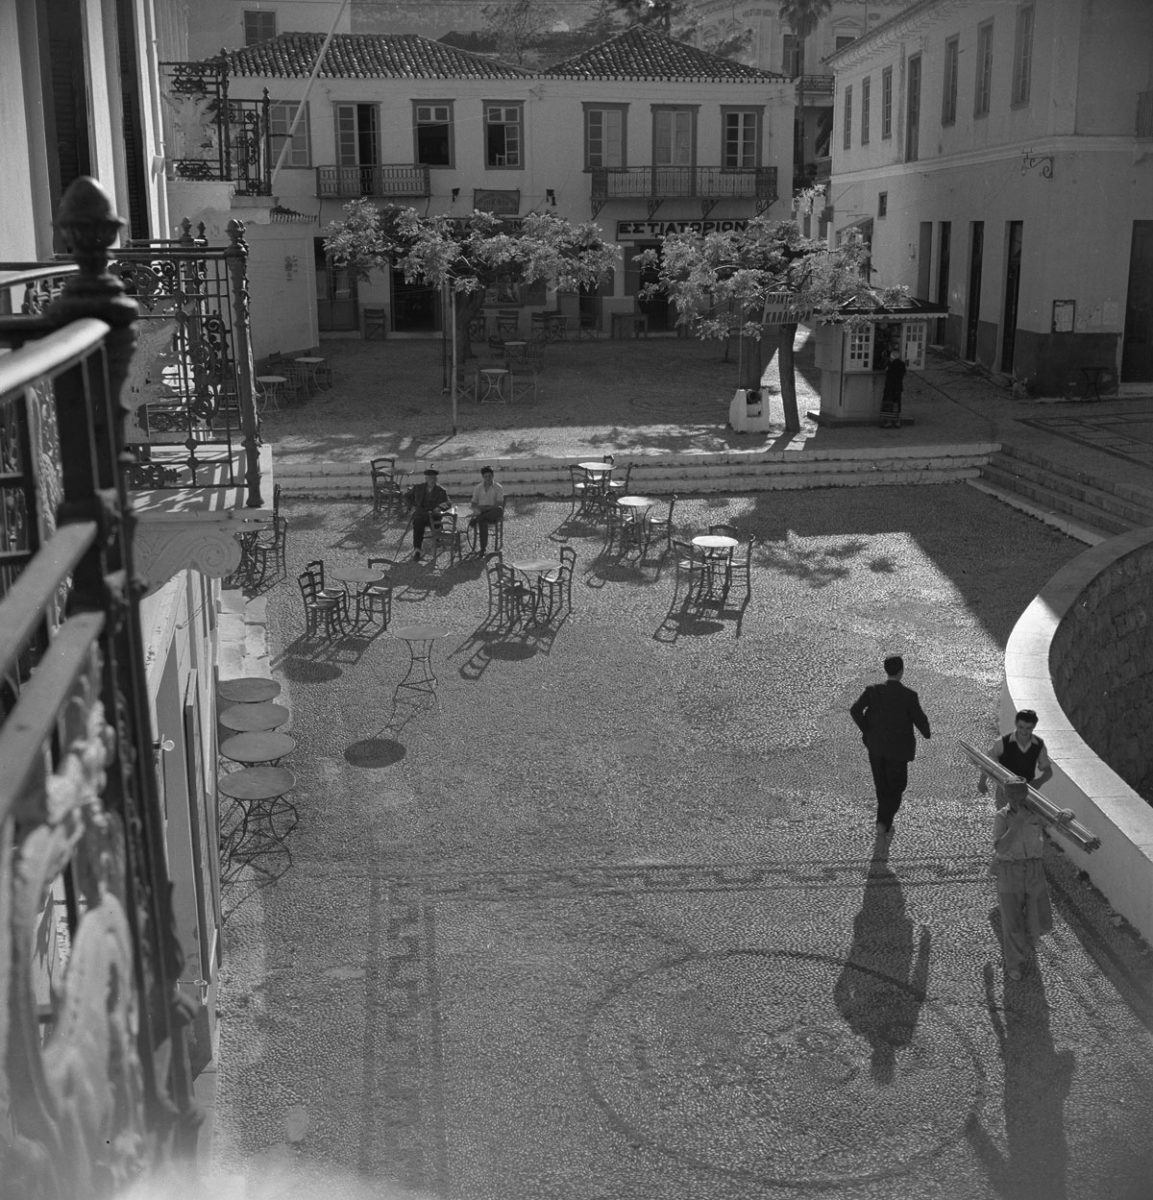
point(640, 945)
point(1126, 435)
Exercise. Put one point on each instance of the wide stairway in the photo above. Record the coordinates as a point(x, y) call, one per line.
point(692, 474)
point(1086, 507)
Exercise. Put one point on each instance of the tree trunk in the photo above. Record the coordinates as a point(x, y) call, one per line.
point(752, 362)
point(788, 374)
point(468, 304)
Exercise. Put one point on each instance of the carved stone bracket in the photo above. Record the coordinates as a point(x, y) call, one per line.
point(164, 547)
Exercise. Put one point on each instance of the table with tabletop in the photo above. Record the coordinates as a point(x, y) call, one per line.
point(493, 385)
point(267, 817)
point(247, 689)
point(532, 569)
point(357, 580)
point(254, 718)
point(271, 389)
point(419, 639)
point(311, 368)
point(597, 474)
point(636, 524)
point(718, 550)
point(261, 748)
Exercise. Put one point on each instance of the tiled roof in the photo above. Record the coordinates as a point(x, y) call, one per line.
point(366, 56)
point(642, 53)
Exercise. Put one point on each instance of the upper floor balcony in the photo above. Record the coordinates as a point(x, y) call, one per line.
point(384, 180)
point(190, 426)
point(709, 185)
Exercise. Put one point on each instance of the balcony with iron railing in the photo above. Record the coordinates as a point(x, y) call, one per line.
point(383, 181)
point(84, 842)
point(190, 421)
point(708, 185)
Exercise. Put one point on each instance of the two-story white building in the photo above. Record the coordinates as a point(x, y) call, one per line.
point(642, 133)
point(998, 155)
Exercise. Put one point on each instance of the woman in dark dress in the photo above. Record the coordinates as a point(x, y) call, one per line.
point(891, 397)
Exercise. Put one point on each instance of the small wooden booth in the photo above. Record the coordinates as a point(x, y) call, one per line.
point(852, 354)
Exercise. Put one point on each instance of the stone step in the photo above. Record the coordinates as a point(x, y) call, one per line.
point(688, 474)
point(1066, 524)
point(1127, 491)
point(1011, 472)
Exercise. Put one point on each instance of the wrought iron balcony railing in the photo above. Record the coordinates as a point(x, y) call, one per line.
point(83, 827)
point(385, 180)
point(816, 85)
point(217, 137)
point(706, 184)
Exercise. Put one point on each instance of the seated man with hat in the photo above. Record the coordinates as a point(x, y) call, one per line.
point(428, 501)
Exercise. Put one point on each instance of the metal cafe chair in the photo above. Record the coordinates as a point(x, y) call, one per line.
point(555, 586)
point(386, 491)
point(319, 609)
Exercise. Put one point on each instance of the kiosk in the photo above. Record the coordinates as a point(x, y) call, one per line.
point(852, 356)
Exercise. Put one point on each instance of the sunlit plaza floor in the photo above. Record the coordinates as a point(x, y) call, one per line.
point(604, 918)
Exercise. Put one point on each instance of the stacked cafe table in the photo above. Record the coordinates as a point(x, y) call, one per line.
point(262, 815)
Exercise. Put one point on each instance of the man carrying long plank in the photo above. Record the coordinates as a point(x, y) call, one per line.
point(1019, 843)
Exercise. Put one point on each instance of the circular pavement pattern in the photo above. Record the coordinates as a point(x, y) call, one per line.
point(754, 1063)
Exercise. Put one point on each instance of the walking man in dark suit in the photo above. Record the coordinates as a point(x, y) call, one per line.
point(887, 713)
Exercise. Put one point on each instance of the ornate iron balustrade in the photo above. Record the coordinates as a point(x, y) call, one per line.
point(221, 138)
point(706, 184)
point(190, 385)
point(384, 180)
point(95, 1083)
point(816, 85)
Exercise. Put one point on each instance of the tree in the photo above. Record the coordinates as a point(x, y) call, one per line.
point(516, 26)
point(679, 19)
point(471, 254)
point(802, 17)
point(743, 282)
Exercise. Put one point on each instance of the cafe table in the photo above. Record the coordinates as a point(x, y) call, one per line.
point(252, 718)
point(247, 689)
point(266, 816)
point(310, 366)
point(598, 473)
point(718, 548)
point(636, 517)
point(493, 382)
point(258, 748)
point(356, 581)
point(419, 639)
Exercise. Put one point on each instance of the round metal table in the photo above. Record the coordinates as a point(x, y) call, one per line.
point(419, 639)
point(247, 689)
point(252, 749)
point(251, 718)
point(266, 817)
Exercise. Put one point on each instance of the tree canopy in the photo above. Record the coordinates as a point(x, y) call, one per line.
point(740, 283)
point(469, 254)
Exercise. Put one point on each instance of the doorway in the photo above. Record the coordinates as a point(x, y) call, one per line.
point(1013, 236)
point(1137, 348)
point(337, 309)
point(658, 309)
point(944, 240)
point(415, 306)
point(973, 306)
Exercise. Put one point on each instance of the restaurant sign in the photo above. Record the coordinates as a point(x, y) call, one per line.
point(631, 231)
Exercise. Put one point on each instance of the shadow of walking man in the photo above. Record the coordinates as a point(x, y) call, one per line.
point(880, 991)
point(1038, 1077)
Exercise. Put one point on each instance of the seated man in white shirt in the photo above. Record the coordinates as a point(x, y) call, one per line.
point(487, 506)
